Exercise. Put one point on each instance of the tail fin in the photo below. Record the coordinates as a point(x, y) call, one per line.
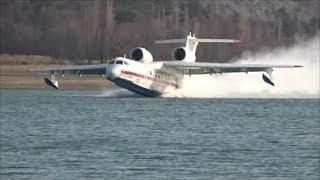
point(191, 43)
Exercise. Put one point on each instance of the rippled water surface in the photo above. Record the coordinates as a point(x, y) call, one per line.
point(79, 134)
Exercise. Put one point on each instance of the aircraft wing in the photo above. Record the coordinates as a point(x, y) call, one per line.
point(211, 68)
point(82, 69)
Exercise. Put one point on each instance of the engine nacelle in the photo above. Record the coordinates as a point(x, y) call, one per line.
point(141, 54)
point(182, 54)
point(179, 53)
point(51, 82)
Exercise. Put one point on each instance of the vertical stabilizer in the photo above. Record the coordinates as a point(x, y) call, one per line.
point(191, 46)
point(188, 51)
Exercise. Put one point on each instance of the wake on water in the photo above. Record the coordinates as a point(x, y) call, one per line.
point(123, 93)
point(289, 83)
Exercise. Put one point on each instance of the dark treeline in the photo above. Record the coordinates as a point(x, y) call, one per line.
point(101, 29)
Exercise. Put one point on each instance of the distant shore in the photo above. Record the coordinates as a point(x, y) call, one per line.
point(15, 74)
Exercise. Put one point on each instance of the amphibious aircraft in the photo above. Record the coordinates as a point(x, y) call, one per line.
point(142, 75)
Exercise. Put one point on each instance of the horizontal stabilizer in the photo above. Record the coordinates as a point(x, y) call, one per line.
point(219, 41)
point(170, 41)
point(174, 41)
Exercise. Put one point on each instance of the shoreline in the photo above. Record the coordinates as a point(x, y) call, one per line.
point(14, 77)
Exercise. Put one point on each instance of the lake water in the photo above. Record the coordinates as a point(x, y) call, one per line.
point(84, 135)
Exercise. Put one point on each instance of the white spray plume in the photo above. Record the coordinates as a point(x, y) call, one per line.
point(117, 93)
point(289, 83)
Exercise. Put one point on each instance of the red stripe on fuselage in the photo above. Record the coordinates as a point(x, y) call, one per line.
point(149, 78)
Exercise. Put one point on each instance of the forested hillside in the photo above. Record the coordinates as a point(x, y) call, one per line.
point(101, 29)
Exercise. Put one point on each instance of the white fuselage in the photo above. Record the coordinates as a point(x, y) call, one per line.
point(148, 79)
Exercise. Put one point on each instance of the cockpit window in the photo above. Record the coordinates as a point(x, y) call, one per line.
point(119, 62)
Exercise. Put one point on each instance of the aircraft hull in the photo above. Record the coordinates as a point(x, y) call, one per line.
point(123, 83)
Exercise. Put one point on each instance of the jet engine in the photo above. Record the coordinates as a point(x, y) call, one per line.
point(141, 54)
point(179, 53)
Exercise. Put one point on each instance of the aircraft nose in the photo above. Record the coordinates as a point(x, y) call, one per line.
point(113, 72)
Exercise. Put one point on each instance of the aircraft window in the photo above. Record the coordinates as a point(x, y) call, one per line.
point(111, 62)
point(125, 63)
point(119, 62)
